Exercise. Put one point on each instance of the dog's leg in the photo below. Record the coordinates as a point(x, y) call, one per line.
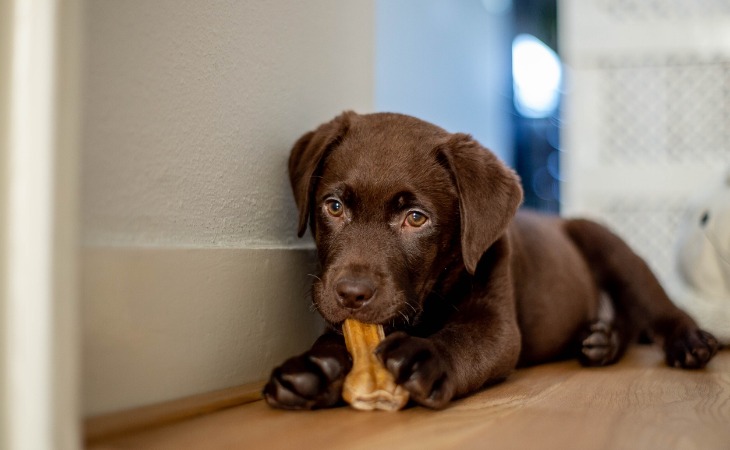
point(638, 298)
point(601, 344)
point(603, 341)
point(313, 379)
point(479, 344)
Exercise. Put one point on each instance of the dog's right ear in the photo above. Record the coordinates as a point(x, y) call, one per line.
point(489, 195)
point(306, 160)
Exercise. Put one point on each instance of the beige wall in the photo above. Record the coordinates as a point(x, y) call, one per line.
point(192, 276)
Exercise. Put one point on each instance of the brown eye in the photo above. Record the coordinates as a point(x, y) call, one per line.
point(416, 219)
point(334, 208)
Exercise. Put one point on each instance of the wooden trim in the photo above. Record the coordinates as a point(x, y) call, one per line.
point(105, 426)
point(40, 114)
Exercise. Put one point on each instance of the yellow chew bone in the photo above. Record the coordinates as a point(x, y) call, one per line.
point(369, 385)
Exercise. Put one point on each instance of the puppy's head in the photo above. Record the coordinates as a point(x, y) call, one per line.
point(396, 205)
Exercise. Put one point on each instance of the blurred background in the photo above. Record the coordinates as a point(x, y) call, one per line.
point(148, 241)
point(489, 68)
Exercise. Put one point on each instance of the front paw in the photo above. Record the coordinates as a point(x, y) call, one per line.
point(690, 349)
point(419, 367)
point(308, 381)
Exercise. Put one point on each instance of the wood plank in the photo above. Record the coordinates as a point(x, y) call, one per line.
point(638, 403)
point(130, 421)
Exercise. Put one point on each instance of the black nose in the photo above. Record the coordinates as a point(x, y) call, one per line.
point(353, 293)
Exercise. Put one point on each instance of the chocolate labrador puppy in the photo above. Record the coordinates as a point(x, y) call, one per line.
point(417, 229)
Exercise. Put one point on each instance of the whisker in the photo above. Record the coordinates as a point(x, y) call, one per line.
point(408, 304)
point(405, 317)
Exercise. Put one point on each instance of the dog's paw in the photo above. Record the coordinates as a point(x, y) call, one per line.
point(418, 366)
point(600, 345)
point(308, 381)
point(690, 349)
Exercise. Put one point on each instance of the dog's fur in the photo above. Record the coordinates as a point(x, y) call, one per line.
point(417, 229)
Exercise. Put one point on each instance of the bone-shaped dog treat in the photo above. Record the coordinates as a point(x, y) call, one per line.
point(369, 385)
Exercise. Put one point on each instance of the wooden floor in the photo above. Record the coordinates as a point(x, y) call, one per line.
point(636, 404)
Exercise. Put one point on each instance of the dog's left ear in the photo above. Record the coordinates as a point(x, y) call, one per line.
point(489, 194)
point(306, 159)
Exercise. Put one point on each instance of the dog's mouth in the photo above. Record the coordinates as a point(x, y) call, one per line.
point(379, 305)
point(397, 318)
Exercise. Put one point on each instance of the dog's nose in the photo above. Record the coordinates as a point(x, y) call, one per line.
point(353, 293)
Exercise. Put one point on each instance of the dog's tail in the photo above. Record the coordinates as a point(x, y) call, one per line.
point(639, 301)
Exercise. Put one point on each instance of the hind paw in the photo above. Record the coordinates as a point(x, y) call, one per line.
point(600, 345)
point(690, 349)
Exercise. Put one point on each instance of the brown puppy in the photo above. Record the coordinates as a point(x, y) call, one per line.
point(417, 229)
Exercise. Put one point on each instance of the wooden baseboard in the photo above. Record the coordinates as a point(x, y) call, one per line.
point(115, 424)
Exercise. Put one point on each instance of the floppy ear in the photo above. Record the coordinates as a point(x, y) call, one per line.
point(489, 195)
point(306, 158)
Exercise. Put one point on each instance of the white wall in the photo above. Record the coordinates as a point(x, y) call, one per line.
point(192, 107)
point(192, 276)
